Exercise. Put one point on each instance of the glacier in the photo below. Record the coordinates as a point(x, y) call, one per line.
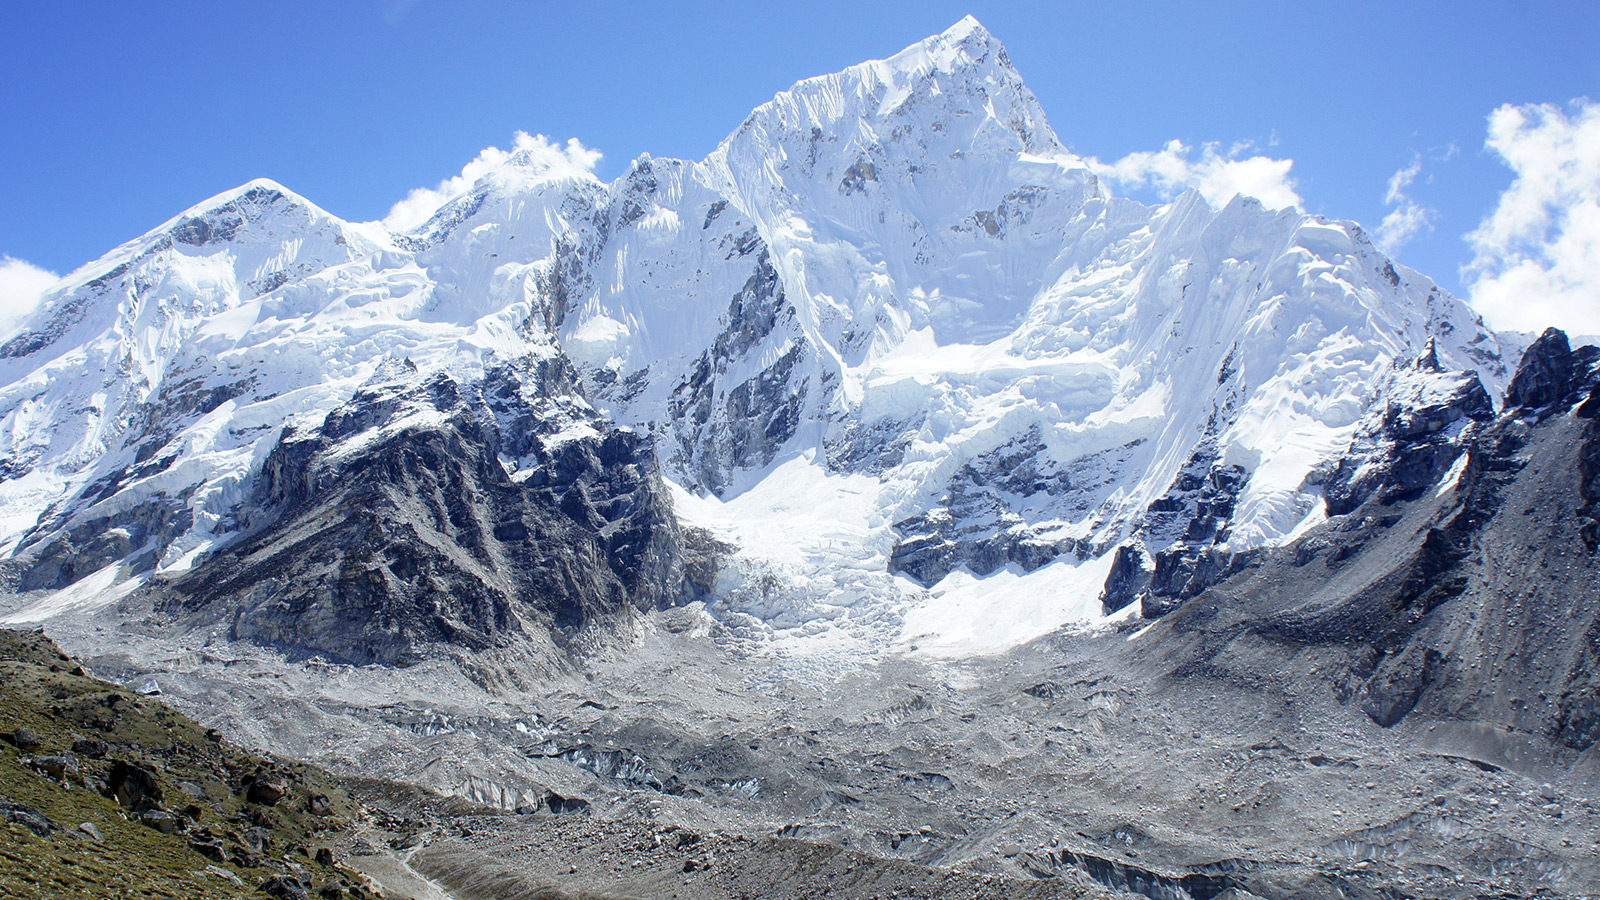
point(893, 344)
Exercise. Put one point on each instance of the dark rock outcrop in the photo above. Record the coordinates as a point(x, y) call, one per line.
point(134, 786)
point(719, 425)
point(59, 766)
point(1404, 447)
point(24, 739)
point(1552, 377)
point(422, 536)
point(1187, 523)
point(266, 793)
point(1129, 576)
point(1183, 571)
point(977, 524)
point(28, 817)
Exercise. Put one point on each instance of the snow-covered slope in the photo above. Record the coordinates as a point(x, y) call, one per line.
point(891, 340)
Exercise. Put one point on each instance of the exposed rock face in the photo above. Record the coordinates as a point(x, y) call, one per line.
point(136, 536)
point(1408, 442)
point(423, 535)
point(1187, 527)
point(1477, 599)
point(977, 525)
point(1129, 577)
point(69, 541)
point(1402, 448)
point(721, 425)
point(1191, 518)
point(1552, 376)
point(1577, 722)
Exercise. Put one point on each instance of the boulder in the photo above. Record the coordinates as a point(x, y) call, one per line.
point(286, 887)
point(211, 849)
point(59, 766)
point(266, 793)
point(161, 820)
point(25, 739)
point(134, 786)
point(24, 815)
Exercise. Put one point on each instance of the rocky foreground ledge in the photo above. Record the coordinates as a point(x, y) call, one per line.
point(106, 792)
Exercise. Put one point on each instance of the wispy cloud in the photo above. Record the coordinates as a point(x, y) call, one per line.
point(22, 285)
point(1536, 257)
point(531, 151)
point(395, 11)
point(1407, 218)
point(1218, 175)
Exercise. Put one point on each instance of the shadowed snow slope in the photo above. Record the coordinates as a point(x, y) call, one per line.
point(891, 294)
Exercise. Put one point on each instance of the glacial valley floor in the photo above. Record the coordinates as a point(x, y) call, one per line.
point(681, 762)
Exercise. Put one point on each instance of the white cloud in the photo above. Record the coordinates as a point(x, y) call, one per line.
point(22, 285)
point(1218, 176)
point(396, 11)
point(1408, 218)
point(534, 152)
point(1536, 257)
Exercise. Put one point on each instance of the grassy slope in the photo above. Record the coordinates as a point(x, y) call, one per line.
point(43, 690)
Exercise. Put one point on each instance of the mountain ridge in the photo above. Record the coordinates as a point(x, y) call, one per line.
point(896, 271)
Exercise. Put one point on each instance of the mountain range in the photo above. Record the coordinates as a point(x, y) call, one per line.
point(890, 375)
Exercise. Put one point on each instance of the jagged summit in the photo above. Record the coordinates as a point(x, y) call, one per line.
point(961, 74)
point(965, 49)
point(968, 28)
point(262, 190)
point(217, 218)
point(250, 207)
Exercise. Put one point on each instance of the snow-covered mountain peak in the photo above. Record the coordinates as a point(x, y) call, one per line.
point(955, 92)
point(967, 30)
point(902, 194)
point(235, 246)
point(966, 51)
point(257, 213)
point(258, 208)
point(535, 180)
point(263, 191)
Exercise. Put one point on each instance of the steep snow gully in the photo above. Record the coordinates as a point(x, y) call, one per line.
point(887, 391)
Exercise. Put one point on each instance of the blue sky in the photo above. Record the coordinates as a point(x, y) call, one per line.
point(119, 115)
